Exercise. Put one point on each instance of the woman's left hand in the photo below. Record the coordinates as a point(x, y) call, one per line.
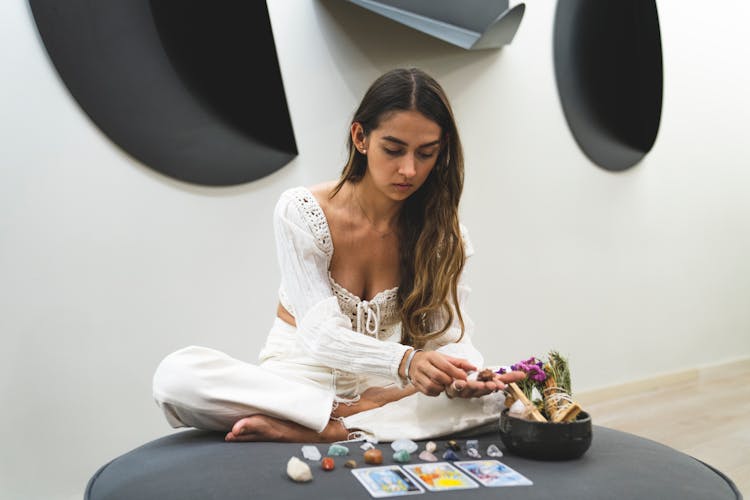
point(474, 388)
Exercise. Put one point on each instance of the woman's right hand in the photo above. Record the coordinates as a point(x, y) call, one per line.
point(431, 372)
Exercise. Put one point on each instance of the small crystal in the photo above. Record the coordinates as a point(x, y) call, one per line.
point(327, 463)
point(473, 453)
point(401, 456)
point(374, 457)
point(517, 409)
point(472, 443)
point(404, 444)
point(453, 445)
point(427, 456)
point(351, 464)
point(311, 452)
point(450, 455)
point(298, 471)
point(430, 446)
point(367, 446)
point(494, 451)
point(337, 450)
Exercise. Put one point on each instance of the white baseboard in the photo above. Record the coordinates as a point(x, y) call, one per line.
point(601, 394)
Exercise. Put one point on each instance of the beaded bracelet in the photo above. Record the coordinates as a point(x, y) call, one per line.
point(408, 364)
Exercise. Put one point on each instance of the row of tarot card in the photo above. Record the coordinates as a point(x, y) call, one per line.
point(413, 479)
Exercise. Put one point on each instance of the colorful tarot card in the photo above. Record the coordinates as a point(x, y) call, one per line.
point(493, 473)
point(387, 481)
point(440, 476)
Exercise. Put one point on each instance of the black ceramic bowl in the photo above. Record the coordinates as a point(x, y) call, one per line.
point(544, 440)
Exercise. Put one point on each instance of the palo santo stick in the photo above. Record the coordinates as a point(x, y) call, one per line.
point(568, 414)
point(517, 393)
point(560, 409)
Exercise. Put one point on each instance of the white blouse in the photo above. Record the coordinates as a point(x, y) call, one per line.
point(337, 328)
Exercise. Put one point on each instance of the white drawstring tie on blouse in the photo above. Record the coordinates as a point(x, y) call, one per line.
point(368, 318)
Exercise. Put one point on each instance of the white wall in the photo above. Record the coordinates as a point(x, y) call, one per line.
point(106, 266)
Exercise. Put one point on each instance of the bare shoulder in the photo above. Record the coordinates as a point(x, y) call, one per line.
point(322, 192)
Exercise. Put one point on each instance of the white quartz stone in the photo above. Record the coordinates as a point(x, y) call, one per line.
point(298, 470)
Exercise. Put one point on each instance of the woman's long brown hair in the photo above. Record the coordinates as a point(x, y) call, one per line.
point(431, 248)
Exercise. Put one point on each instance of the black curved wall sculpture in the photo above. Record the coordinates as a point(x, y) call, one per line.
point(189, 88)
point(608, 65)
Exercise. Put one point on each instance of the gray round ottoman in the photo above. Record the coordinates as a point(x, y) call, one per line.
point(200, 465)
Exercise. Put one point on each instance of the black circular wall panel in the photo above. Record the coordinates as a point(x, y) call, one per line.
point(608, 66)
point(189, 88)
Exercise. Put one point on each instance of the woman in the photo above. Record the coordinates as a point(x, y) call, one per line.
point(370, 338)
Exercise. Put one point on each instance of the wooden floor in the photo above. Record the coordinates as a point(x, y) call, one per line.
point(704, 413)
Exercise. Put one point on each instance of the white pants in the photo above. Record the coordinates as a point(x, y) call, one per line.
point(207, 389)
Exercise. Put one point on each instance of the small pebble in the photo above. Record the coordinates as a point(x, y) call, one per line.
point(351, 464)
point(473, 453)
point(298, 471)
point(404, 444)
point(453, 445)
point(494, 451)
point(337, 450)
point(401, 456)
point(311, 452)
point(427, 456)
point(374, 457)
point(430, 446)
point(450, 455)
point(327, 463)
point(367, 446)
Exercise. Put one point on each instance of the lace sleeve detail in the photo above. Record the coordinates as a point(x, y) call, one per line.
point(314, 216)
point(323, 330)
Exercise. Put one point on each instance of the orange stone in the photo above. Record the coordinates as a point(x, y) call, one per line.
point(327, 463)
point(374, 457)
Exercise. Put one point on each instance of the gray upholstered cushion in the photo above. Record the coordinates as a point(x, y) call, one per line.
point(200, 465)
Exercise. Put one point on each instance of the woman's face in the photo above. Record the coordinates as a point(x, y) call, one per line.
point(401, 152)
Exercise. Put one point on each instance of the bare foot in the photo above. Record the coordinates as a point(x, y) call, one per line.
point(265, 428)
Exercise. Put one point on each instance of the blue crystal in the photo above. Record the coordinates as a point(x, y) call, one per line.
point(337, 450)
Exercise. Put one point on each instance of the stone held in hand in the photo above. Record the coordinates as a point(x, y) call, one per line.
point(404, 444)
point(494, 451)
point(327, 463)
point(450, 455)
point(311, 452)
point(337, 450)
point(427, 456)
point(298, 471)
point(401, 456)
point(374, 457)
point(486, 375)
point(430, 446)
